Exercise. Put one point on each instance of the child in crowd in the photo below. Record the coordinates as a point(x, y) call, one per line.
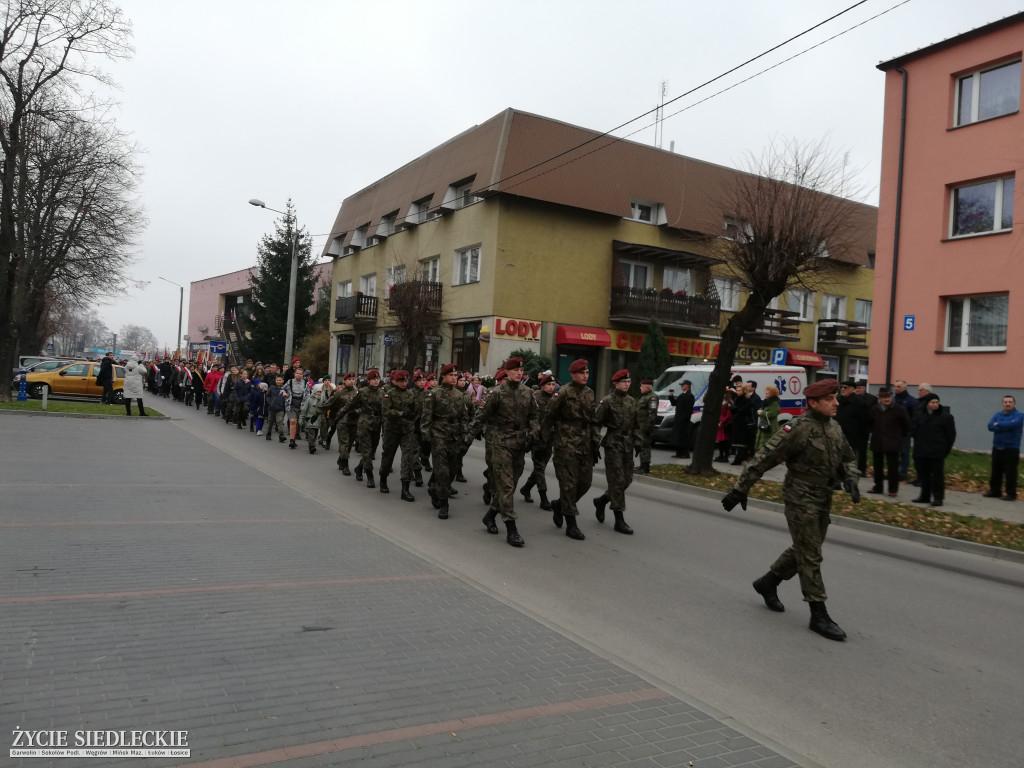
point(277, 404)
point(310, 417)
point(258, 407)
point(243, 388)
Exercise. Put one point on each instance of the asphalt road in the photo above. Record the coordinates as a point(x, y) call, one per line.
point(930, 674)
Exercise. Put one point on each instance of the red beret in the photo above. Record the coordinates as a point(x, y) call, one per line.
point(545, 379)
point(431, 377)
point(450, 368)
point(821, 388)
point(373, 373)
point(295, 360)
point(647, 381)
point(579, 365)
point(501, 375)
point(620, 375)
point(417, 376)
point(399, 375)
point(348, 375)
point(512, 363)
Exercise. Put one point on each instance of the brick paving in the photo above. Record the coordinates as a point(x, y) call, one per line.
point(277, 633)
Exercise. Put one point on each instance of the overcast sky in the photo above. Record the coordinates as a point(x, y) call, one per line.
point(316, 99)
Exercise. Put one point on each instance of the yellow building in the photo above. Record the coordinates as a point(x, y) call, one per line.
point(569, 257)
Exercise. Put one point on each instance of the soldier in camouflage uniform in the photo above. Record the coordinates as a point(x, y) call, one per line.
point(569, 427)
point(818, 458)
point(647, 415)
point(345, 427)
point(617, 413)
point(367, 403)
point(499, 377)
point(310, 417)
point(541, 453)
point(445, 423)
point(510, 413)
point(400, 409)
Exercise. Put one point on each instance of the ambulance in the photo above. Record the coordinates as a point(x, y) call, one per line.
point(791, 381)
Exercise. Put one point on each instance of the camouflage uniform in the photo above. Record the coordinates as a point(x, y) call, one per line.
point(817, 457)
point(646, 415)
point(346, 426)
point(541, 453)
point(570, 429)
point(510, 415)
point(445, 423)
point(400, 409)
point(618, 414)
point(367, 403)
point(310, 419)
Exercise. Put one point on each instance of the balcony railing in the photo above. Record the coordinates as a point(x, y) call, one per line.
point(842, 334)
point(777, 325)
point(670, 308)
point(353, 309)
point(426, 295)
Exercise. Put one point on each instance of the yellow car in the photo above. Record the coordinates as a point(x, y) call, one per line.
point(75, 378)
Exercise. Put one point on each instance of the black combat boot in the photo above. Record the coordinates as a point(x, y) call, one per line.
point(343, 466)
point(513, 537)
point(281, 438)
point(822, 623)
point(645, 469)
point(359, 472)
point(406, 495)
point(544, 503)
point(621, 526)
point(267, 438)
point(487, 494)
point(369, 479)
point(291, 444)
point(435, 500)
point(425, 461)
point(572, 530)
point(383, 482)
point(488, 521)
point(525, 490)
point(312, 449)
point(417, 475)
point(767, 587)
point(442, 512)
point(599, 504)
point(556, 513)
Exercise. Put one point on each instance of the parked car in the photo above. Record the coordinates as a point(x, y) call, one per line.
point(29, 362)
point(75, 378)
point(790, 379)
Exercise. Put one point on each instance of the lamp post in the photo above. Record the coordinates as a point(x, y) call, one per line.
point(293, 224)
point(181, 303)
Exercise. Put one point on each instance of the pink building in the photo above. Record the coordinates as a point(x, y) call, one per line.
point(948, 305)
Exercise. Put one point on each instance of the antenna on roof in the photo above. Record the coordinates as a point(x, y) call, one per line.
point(659, 116)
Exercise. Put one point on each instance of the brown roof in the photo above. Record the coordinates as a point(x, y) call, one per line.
point(951, 41)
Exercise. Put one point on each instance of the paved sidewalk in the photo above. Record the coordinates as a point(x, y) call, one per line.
point(276, 632)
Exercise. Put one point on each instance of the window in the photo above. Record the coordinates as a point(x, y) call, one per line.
point(801, 301)
point(387, 224)
point(367, 351)
point(368, 284)
point(857, 369)
point(735, 227)
point(862, 311)
point(980, 208)
point(830, 365)
point(467, 266)
point(676, 279)
point(635, 274)
point(647, 212)
point(833, 307)
point(988, 93)
point(79, 369)
point(728, 293)
point(359, 236)
point(466, 346)
point(430, 270)
point(420, 212)
point(977, 322)
point(345, 289)
point(393, 276)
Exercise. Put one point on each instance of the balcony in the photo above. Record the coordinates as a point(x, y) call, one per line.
point(355, 309)
point(671, 309)
point(842, 334)
point(776, 325)
point(424, 295)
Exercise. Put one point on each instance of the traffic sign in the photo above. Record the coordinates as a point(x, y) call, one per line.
point(778, 357)
point(218, 347)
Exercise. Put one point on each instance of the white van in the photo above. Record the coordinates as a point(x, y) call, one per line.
point(790, 379)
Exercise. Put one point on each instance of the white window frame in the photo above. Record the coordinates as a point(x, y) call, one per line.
point(430, 270)
point(862, 312)
point(670, 278)
point(368, 284)
point(344, 289)
point(393, 276)
point(728, 293)
point(975, 107)
point(646, 212)
point(830, 364)
point(628, 266)
point(997, 208)
point(830, 300)
point(965, 325)
point(857, 368)
point(733, 226)
point(464, 262)
point(801, 300)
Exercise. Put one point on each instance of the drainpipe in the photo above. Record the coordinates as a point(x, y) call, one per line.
point(896, 229)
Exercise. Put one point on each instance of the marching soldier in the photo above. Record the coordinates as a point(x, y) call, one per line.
point(617, 413)
point(445, 423)
point(575, 438)
point(367, 403)
point(541, 453)
point(499, 377)
point(818, 458)
point(510, 413)
point(345, 427)
point(419, 380)
point(647, 416)
point(400, 410)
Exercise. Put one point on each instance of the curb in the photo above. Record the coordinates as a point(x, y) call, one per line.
point(82, 415)
point(928, 539)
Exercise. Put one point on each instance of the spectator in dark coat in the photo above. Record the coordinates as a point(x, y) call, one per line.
point(742, 425)
point(722, 437)
point(934, 434)
point(853, 418)
point(909, 402)
point(166, 374)
point(105, 378)
point(684, 403)
point(890, 423)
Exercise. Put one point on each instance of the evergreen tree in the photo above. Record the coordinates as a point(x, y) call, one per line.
point(265, 329)
point(654, 358)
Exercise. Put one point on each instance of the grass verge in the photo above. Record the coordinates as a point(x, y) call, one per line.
point(996, 533)
point(69, 406)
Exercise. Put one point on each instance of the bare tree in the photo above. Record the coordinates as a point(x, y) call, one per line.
point(75, 330)
point(415, 305)
point(136, 337)
point(791, 222)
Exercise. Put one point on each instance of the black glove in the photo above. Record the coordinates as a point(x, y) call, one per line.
point(734, 497)
point(529, 442)
point(409, 414)
point(597, 452)
point(851, 487)
point(637, 448)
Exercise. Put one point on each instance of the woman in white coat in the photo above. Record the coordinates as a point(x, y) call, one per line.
point(134, 385)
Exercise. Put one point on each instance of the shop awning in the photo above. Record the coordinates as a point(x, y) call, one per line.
point(803, 357)
point(587, 337)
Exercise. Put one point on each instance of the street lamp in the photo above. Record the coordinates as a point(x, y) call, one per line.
point(289, 333)
point(181, 303)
